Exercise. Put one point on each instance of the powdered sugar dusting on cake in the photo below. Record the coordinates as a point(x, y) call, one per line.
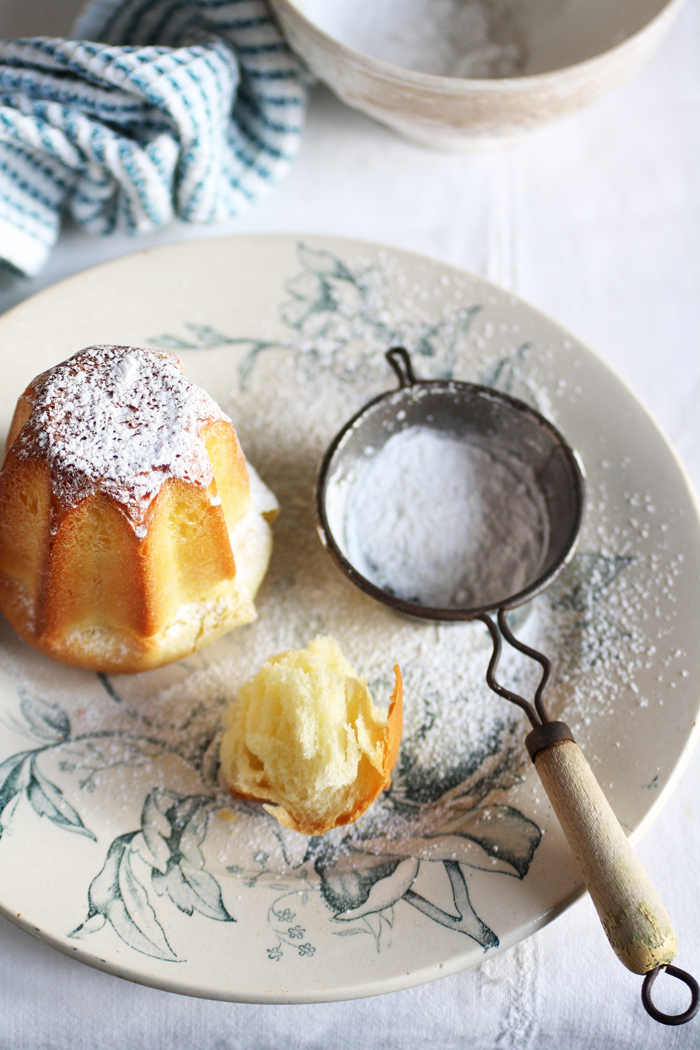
point(118, 420)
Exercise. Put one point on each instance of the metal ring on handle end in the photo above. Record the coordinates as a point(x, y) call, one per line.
point(659, 1015)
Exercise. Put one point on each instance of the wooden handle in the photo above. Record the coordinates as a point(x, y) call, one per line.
point(633, 917)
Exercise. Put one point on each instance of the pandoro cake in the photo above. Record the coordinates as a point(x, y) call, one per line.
point(132, 530)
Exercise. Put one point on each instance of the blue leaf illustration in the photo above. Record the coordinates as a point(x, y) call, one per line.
point(194, 829)
point(171, 342)
point(48, 801)
point(466, 920)
point(295, 312)
point(156, 827)
point(501, 831)
point(117, 894)
point(495, 838)
point(47, 719)
point(304, 287)
point(207, 336)
point(247, 363)
point(347, 878)
point(192, 889)
point(14, 778)
point(322, 262)
point(173, 828)
point(386, 892)
point(503, 373)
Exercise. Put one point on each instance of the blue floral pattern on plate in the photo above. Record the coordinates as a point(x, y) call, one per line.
point(127, 767)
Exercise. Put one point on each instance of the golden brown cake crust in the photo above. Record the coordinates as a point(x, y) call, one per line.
point(122, 485)
point(117, 420)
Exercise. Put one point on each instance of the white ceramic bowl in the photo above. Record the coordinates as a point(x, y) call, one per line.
point(557, 56)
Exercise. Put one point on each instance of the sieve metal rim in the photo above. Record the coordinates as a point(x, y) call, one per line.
point(416, 610)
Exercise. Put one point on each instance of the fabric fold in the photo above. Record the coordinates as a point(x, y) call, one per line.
point(164, 108)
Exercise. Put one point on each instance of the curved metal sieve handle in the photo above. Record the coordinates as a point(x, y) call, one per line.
point(400, 360)
point(635, 920)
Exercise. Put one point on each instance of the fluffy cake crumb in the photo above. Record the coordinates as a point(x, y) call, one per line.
point(305, 737)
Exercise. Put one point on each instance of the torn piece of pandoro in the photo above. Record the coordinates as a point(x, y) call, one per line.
point(305, 738)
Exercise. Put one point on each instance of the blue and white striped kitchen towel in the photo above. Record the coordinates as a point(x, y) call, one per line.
point(188, 108)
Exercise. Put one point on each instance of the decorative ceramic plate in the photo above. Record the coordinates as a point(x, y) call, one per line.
point(119, 846)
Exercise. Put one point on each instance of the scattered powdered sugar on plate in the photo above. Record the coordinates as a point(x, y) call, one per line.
point(118, 419)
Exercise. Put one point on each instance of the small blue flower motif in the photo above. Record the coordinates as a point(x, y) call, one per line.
point(285, 916)
point(261, 857)
point(274, 953)
point(306, 949)
point(296, 933)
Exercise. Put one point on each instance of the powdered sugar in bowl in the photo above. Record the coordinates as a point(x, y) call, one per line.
point(455, 74)
point(444, 499)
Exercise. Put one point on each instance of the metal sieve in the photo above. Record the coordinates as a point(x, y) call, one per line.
point(633, 916)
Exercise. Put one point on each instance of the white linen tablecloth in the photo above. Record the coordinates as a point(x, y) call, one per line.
point(596, 221)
